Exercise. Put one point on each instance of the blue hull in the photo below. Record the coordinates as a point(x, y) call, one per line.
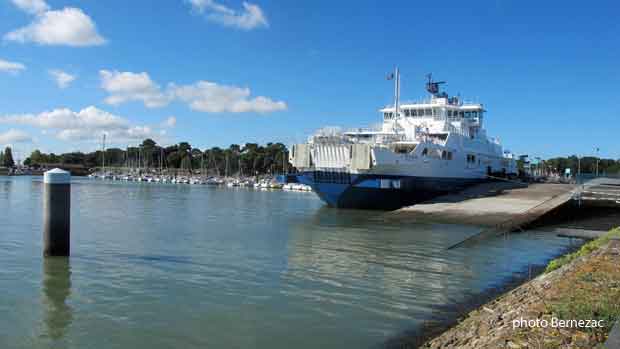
point(380, 192)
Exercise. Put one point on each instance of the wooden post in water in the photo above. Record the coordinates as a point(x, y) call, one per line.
point(56, 213)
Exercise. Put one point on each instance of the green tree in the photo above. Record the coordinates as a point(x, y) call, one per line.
point(149, 147)
point(36, 157)
point(7, 159)
point(197, 157)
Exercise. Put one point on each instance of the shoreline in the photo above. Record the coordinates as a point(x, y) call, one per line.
point(447, 316)
point(489, 324)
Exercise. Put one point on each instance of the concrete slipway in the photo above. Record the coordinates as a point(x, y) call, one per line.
point(503, 206)
point(491, 204)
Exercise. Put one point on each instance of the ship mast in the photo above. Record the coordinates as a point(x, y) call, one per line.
point(396, 93)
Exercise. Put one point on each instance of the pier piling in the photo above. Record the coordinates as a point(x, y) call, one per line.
point(56, 213)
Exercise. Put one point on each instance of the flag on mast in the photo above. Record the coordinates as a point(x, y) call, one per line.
point(390, 76)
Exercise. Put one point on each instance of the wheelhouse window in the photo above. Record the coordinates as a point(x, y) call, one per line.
point(428, 112)
point(406, 112)
point(414, 112)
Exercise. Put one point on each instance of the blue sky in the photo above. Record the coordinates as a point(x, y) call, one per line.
point(220, 72)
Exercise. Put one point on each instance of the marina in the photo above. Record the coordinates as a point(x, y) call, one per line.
point(230, 182)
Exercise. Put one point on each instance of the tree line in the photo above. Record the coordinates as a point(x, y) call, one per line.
point(247, 160)
point(586, 164)
point(6, 158)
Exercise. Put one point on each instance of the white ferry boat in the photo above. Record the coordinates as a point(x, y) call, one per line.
point(420, 151)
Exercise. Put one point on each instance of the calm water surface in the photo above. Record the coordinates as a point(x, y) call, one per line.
point(179, 266)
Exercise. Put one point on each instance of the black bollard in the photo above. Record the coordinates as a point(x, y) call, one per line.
point(56, 213)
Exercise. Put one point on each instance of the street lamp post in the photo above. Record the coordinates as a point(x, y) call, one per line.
point(597, 160)
point(578, 168)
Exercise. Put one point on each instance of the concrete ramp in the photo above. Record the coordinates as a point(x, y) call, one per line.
point(518, 221)
point(491, 204)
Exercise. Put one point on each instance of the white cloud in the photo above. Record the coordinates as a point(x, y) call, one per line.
point(14, 136)
point(128, 86)
point(170, 122)
point(204, 96)
point(11, 67)
point(208, 96)
point(63, 79)
point(32, 6)
point(69, 26)
point(250, 17)
point(87, 124)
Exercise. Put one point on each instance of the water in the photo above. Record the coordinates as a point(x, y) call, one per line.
point(180, 266)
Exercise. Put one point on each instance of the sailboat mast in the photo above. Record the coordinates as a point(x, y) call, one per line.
point(103, 154)
point(202, 164)
point(226, 170)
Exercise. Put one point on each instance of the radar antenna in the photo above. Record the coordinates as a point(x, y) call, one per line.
point(433, 86)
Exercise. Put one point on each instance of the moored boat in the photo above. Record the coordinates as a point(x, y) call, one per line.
point(421, 150)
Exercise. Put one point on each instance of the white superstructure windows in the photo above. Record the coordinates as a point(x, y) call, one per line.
point(449, 112)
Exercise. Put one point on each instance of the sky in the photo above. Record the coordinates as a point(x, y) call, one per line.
point(218, 72)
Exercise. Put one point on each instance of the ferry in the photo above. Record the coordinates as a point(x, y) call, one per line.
point(420, 150)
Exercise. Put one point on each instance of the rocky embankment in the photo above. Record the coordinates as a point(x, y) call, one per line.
point(581, 286)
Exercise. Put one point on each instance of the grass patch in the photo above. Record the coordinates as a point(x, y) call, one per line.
point(583, 251)
point(593, 294)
